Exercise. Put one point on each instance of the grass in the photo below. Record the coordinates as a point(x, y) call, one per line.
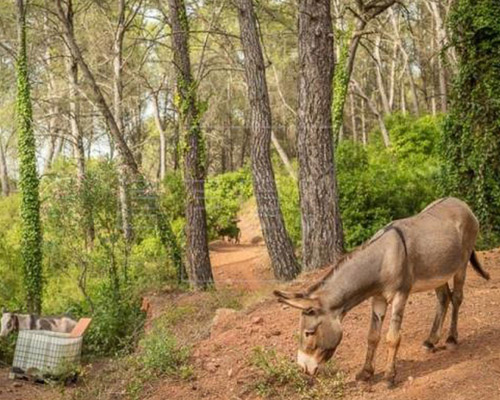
point(279, 378)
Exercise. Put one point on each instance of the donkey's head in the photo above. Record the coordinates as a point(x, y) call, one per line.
point(8, 323)
point(320, 330)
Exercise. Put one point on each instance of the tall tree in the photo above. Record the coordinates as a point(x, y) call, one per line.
point(471, 137)
point(199, 268)
point(364, 13)
point(278, 243)
point(126, 159)
point(77, 136)
point(321, 223)
point(31, 233)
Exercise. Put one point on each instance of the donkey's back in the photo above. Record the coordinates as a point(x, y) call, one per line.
point(439, 242)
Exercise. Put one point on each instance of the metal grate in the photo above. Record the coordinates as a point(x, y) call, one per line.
point(45, 353)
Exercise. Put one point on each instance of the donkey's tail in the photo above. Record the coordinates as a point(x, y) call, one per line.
point(477, 266)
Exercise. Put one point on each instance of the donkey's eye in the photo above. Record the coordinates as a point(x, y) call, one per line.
point(309, 311)
point(309, 333)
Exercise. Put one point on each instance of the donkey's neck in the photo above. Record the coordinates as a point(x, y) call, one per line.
point(355, 281)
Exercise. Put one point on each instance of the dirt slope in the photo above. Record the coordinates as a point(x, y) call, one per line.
point(472, 371)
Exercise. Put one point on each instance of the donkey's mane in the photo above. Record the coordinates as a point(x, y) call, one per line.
point(346, 257)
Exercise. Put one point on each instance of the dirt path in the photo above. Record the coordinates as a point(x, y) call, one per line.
point(243, 265)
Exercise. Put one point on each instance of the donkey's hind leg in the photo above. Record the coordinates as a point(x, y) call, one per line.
point(443, 294)
point(457, 297)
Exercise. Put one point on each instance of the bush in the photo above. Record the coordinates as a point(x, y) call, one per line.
point(117, 321)
point(162, 355)
point(224, 195)
point(377, 185)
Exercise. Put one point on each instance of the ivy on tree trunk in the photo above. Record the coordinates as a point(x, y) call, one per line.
point(31, 234)
point(471, 137)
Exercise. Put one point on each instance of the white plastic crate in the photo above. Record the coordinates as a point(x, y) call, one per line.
point(41, 354)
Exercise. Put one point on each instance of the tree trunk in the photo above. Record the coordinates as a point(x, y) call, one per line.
point(200, 271)
point(79, 149)
point(279, 245)
point(123, 173)
point(373, 109)
point(380, 81)
point(4, 176)
point(283, 156)
point(321, 222)
point(163, 137)
point(31, 233)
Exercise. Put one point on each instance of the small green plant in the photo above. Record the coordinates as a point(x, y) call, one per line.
point(281, 378)
point(161, 354)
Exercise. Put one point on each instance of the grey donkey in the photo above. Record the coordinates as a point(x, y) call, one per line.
point(420, 253)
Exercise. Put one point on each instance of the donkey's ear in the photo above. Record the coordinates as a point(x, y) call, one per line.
point(297, 300)
point(288, 295)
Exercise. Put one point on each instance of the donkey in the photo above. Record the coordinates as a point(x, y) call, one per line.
point(12, 322)
point(409, 255)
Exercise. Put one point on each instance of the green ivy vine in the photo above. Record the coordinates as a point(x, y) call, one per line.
point(31, 233)
point(471, 134)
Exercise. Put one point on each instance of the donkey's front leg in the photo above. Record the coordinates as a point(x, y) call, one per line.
point(379, 306)
point(394, 336)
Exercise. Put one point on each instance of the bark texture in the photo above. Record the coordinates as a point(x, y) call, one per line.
point(317, 184)
point(199, 268)
point(279, 245)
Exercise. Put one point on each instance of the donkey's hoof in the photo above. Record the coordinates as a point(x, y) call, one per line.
point(364, 375)
point(451, 343)
point(428, 346)
point(390, 383)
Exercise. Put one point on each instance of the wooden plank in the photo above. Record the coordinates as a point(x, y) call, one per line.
point(80, 327)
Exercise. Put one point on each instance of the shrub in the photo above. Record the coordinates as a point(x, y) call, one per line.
point(224, 195)
point(161, 354)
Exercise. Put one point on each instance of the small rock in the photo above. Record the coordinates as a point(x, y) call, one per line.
point(275, 332)
point(285, 307)
point(257, 320)
point(211, 367)
point(194, 387)
point(411, 379)
point(230, 373)
point(17, 384)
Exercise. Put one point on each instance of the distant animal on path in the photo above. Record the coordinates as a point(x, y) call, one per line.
point(233, 234)
point(12, 322)
point(415, 254)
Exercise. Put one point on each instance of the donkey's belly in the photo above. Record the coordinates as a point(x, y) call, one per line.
point(424, 285)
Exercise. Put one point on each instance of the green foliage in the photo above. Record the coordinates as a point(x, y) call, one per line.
point(288, 192)
point(471, 136)
point(117, 321)
point(224, 195)
point(377, 185)
point(31, 233)
point(280, 378)
point(340, 81)
point(162, 355)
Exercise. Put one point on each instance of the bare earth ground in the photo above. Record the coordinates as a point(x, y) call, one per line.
point(222, 368)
